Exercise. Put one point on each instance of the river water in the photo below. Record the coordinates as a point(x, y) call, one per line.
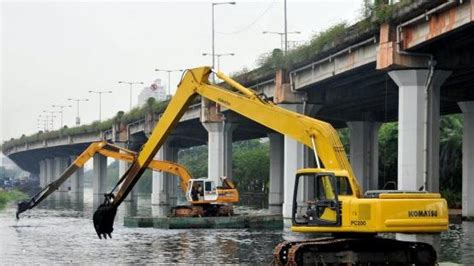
point(65, 234)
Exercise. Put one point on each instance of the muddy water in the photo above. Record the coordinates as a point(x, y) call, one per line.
point(57, 233)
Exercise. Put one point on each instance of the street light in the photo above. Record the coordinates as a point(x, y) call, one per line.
point(213, 34)
point(131, 83)
point(61, 107)
point(78, 119)
point(51, 115)
point(283, 39)
point(44, 121)
point(100, 101)
point(169, 76)
point(218, 58)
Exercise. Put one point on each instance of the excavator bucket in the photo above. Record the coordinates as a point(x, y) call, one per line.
point(22, 206)
point(104, 218)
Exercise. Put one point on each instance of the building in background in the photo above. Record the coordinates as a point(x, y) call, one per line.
point(155, 90)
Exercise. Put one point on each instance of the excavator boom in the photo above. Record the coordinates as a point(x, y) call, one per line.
point(108, 150)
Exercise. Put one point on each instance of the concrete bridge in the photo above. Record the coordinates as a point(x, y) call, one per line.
point(412, 69)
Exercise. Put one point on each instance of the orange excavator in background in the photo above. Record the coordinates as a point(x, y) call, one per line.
point(211, 201)
point(327, 199)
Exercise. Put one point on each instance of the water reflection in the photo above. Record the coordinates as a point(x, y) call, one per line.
point(62, 232)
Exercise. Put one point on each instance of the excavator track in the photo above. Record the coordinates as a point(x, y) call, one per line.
point(354, 251)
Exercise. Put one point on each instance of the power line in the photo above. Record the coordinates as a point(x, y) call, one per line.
point(270, 5)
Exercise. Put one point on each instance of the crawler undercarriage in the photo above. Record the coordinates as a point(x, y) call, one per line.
point(354, 251)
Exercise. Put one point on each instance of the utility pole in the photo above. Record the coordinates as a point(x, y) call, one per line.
point(218, 58)
point(100, 101)
point(283, 38)
point(169, 76)
point(61, 107)
point(286, 29)
point(78, 118)
point(131, 83)
point(213, 36)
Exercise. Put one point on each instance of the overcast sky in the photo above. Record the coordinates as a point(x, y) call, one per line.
point(51, 51)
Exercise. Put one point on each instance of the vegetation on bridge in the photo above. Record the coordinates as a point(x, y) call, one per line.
point(137, 113)
point(321, 44)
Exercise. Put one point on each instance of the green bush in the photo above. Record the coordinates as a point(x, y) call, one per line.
point(8, 196)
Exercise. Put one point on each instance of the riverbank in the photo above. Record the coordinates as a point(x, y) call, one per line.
point(10, 196)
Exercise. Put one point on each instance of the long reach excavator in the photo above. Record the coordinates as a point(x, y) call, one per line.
point(327, 198)
point(213, 201)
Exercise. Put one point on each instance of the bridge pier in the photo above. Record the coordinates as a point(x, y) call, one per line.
point(467, 159)
point(415, 170)
point(219, 149)
point(364, 153)
point(275, 194)
point(292, 161)
point(164, 193)
point(99, 179)
point(42, 173)
point(411, 135)
point(60, 164)
point(77, 184)
point(122, 169)
point(49, 167)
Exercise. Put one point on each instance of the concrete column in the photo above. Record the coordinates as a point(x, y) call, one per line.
point(122, 169)
point(77, 185)
point(216, 147)
point(228, 152)
point(415, 134)
point(49, 170)
point(364, 154)
point(61, 163)
point(219, 149)
point(164, 185)
point(411, 129)
point(173, 181)
point(467, 160)
point(99, 179)
point(77, 180)
point(293, 160)
point(130, 204)
point(42, 173)
point(275, 195)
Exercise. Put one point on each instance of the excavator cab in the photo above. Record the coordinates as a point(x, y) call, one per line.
point(316, 197)
point(207, 190)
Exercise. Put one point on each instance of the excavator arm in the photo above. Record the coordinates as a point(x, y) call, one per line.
point(318, 135)
point(108, 150)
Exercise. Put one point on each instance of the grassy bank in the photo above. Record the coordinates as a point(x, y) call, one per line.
point(9, 196)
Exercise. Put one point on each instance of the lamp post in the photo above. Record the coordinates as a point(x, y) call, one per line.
point(78, 119)
point(51, 115)
point(169, 76)
point(213, 34)
point(100, 101)
point(286, 26)
point(218, 58)
point(43, 120)
point(61, 107)
point(131, 83)
point(283, 38)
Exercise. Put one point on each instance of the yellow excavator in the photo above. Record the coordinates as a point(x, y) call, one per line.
point(327, 198)
point(209, 201)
